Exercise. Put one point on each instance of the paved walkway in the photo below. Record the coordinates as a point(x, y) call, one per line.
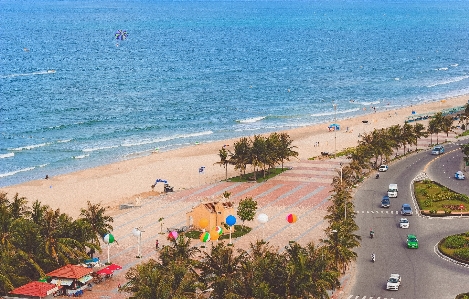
point(303, 190)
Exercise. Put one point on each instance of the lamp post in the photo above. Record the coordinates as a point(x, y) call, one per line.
point(138, 233)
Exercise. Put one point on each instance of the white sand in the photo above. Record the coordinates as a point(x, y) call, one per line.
point(122, 182)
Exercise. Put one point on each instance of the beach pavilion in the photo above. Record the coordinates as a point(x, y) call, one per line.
point(72, 278)
point(34, 290)
point(215, 212)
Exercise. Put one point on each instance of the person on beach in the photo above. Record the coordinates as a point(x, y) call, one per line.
point(157, 245)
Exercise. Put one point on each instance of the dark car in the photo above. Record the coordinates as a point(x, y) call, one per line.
point(406, 209)
point(385, 202)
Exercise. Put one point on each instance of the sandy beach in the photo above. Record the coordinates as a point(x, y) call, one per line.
point(131, 180)
point(303, 191)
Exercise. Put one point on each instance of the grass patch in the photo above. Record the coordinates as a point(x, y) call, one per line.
point(240, 230)
point(456, 247)
point(249, 177)
point(437, 199)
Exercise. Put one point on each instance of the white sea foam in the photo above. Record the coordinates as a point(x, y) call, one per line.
point(46, 72)
point(334, 112)
point(454, 65)
point(369, 103)
point(99, 148)
point(28, 147)
point(250, 120)
point(2, 175)
point(9, 155)
point(64, 141)
point(81, 156)
point(452, 80)
point(162, 139)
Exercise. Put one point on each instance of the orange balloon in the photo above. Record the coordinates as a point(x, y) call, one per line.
point(214, 235)
point(203, 223)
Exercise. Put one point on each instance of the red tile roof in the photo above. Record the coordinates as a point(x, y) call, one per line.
point(70, 271)
point(36, 289)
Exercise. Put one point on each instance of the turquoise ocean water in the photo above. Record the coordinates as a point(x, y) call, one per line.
point(73, 97)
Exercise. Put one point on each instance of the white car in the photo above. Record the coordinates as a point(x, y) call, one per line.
point(459, 175)
point(394, 282)
point(404, 223)
point(383, 168)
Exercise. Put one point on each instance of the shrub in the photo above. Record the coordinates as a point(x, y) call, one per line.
point(462, 253)
point(432, 211)
point(447, 212)
point(455, 242)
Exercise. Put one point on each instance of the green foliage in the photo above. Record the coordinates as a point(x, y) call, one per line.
point(247, 209)
point(239, 231)
point(38, 239)
point(249, 177)
point(462, 253)
point(435, 197)
point(456, 242)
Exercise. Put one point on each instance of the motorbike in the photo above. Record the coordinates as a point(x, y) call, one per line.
point(377, 176)
point(373, 257)
point(372, 234)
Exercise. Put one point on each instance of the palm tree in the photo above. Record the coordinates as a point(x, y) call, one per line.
point(447, 124)
point(221, 271)
point(408, 135)
point(99, 223)
point(432, 129)
point(61, 248)
point(242, 154)
point(439, 120)
point(419, 132)
point(310, 274)
point(223, 154)
point(154, 280)
point(285, 150)
point(180, 250)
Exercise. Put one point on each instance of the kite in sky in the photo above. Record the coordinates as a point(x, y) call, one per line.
point(121, 34)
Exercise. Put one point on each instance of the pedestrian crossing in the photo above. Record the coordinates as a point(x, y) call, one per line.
point(379, 212)
point(365, 297)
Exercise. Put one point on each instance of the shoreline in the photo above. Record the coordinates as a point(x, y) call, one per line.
point(130, 180)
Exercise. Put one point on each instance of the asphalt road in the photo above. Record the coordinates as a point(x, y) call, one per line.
point(424, 274)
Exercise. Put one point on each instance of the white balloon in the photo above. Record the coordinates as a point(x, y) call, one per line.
point(262, 218)
point(136, 232)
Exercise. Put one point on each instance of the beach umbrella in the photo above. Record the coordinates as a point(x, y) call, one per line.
point(204, 237)
point(291, 218)
point(203, 223)
point(230, 221)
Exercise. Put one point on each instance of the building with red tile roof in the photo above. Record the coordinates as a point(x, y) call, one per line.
point(34, 290)
point(73, 278)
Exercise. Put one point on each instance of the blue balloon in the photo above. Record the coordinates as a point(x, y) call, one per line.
point(231, 220)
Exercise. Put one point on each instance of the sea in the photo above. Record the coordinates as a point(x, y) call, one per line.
point(85, 83)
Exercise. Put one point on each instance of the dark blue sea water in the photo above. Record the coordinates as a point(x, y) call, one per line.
point(73, 97)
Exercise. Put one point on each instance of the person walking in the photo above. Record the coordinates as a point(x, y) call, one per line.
point(157, 245)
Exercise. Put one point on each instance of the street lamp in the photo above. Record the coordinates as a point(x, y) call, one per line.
point(138, 233)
